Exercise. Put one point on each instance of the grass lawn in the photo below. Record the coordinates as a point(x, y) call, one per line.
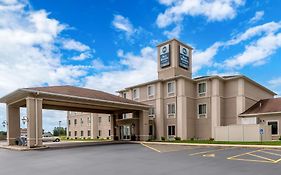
point(226, 142)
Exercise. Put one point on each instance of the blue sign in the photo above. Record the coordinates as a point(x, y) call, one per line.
point(165, 56)
point(184, 57)
point(261, 131)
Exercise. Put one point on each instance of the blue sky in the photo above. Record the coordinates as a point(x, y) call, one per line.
point(109, 45)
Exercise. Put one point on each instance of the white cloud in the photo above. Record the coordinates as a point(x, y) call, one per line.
point(275, 82)
point(214, 10)
point(258, 16)
point(81, 57)
point(134, 69)
point(174, 33)
point(123, 24)
point(71, 44)
point(29, 52)
point(204, 58)
point(257, 52)
point(266, 28)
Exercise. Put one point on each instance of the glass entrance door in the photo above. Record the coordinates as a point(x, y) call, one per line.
point(126, 132)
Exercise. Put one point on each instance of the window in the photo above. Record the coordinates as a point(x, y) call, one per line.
point(274, 127)
point(69, 133)
point(99, 119)
point(89, 133)
point(81, 121)
point(75, 121)
point(151, 112)
point(99, 133)
point(150, 91)
point(171, 87)
point(109, 118)
point(172, 130)
point(150, 130)
point(171, 109)
point(89, 121)
point(124, 95)
point(75, 133)
point(109, 132)
point(135, 94)
point(202, 89)
point(69, 122)
point(82, 133)
point(124, 116)
point(202, 110)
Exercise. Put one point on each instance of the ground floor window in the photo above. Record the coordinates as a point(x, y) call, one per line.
point(109, 132)
point(69, 133)
point(202, 110)
point(274, 127)
point(172, 130)
point(89, 133)
point(82, 133)
point(75, 133)
point(99, 133)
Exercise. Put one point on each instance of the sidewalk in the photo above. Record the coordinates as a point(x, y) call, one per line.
point(215, 145)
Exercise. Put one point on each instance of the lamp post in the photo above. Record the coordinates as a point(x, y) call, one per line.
point(59, 129)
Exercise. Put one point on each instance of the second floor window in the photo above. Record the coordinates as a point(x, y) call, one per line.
point(99, 119)
point(151, 112)
point(171, 87)
point(171, 109)
point(69, 122)
point(135, 93)
point(150, 90)
point(202, 89)
point(75, 121)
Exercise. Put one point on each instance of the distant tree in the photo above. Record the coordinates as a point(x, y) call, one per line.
point(59, 131)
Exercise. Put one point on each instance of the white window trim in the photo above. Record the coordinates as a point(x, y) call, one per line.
point(152, 116)
point(168, 130)
point(137, 93)
point(199, 94)
point(173, 115)
point(277, 126)
point(171, 93)
point(153, 94)
point(198, 115)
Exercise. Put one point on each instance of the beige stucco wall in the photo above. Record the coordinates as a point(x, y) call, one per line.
point(242, 133)
point(263, 119)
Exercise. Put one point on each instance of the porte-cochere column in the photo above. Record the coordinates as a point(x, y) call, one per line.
point(13, 127)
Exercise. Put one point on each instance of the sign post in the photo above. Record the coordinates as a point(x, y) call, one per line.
point(261, 133)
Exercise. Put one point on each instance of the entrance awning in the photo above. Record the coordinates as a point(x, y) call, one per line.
point(70, 98)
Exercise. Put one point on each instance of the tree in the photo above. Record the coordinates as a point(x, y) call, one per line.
point(59, 131)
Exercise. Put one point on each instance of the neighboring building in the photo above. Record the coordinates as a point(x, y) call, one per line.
point(181, 106)
point(267, 111)
point(87, 125)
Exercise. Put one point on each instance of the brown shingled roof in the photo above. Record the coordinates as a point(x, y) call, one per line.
point(82, 92)
point(264, 106)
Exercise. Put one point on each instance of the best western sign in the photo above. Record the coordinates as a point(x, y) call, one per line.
point(165, 56)
point(184, 57)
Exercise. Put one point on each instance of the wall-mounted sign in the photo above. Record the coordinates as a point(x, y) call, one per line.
point(165, 56)
point(184, 57)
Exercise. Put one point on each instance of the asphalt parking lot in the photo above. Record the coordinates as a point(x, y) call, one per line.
point(142, 159)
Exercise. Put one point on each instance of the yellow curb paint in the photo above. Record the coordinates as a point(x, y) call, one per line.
point(154, 149)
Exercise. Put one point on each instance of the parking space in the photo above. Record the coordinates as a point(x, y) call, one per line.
point(255, 155)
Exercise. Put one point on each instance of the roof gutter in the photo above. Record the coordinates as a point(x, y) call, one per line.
point(256, 114)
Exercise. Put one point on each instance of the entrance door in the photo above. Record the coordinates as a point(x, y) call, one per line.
point(126, 132)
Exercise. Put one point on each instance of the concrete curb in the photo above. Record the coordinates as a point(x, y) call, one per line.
point(215, 145)
point(66, 145)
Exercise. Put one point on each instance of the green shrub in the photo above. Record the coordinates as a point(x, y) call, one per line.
point(163, 138)
point(280, 138)
point(177, 138)
point(192, 139)
point(211, 139)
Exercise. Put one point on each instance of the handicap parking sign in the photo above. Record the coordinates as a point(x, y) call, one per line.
point(261, 131)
